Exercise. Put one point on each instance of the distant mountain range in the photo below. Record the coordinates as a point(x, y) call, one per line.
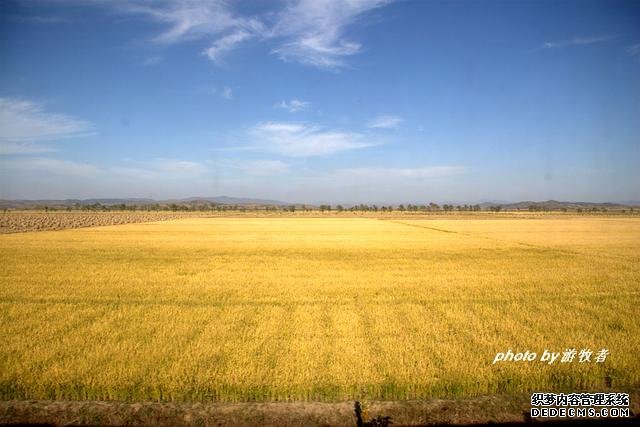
point(243, 201)
point(220, 200)
point(553, 205)
point(225, 200)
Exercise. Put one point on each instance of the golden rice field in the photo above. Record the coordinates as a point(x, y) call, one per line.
point(243, 309)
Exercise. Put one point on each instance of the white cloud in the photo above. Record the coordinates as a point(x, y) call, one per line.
point(634, 50)
point(257, 167)
point(197, 20)
point(152, 60)
point(153, 169)
point(23, 121)
point(159, 169)
point(318, 51)
point(187, 20)
point(315, 30)
point(266, 167)
point(40, 19)
point(294, 105)
point(133, 172)
point(179, 167)
point(54, 166)
point(411, 173)
point(227, 93)
point(575, 42)
point(12, 148)
point(225, 44)
point(305, 140)
point(310, 32)
point(385, 122)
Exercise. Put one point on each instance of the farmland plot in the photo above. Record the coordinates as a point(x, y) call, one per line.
point(241, 309)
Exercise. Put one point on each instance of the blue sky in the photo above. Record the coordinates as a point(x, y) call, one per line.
point(307, 101)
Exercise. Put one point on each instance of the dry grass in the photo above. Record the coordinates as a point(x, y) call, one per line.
point(241, 309)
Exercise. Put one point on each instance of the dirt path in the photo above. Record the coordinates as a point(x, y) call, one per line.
point(481, 410)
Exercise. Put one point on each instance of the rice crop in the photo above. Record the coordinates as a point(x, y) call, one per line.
point(317, 309)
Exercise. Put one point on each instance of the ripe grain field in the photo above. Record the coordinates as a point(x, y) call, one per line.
point(323, 309)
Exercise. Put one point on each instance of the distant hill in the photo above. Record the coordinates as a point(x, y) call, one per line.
point(28, 204)
point(220, 200)
point(554, 205)
point(225, 200)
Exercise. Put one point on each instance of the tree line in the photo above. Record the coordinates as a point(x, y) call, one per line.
point(216, 207)
point(206, 206)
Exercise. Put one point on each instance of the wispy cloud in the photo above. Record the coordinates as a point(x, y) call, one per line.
point(266, 167)
point(227, 93)
point(187, 20)
point(634, 50)
point(9, 148)
point(575, 42)
point(48, 165)
point(180, 167)
point(259, 167)
point(159, 168)
point(410, 173)
point(151, 169)
point(40, 19)
point(152, 60)
point(226, 44)
point(137, 173)
point(385, 122)
point(197, 20)
point(24, 123)
point(293, 106)
point(305, 140)
point(315, 31)
point(310, 32)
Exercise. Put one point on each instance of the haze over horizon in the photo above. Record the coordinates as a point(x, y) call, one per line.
point(307, 100)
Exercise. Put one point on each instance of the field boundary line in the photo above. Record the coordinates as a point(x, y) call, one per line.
point(531, 245)
point(422, 226)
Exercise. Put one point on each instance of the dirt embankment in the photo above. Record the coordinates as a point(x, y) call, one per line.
point(486, 410)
